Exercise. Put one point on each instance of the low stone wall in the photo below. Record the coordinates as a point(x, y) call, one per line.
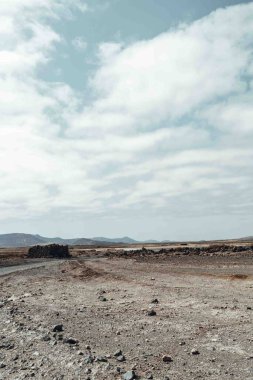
point(49, 251)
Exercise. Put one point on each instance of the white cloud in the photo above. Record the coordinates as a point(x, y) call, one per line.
point(167, 123)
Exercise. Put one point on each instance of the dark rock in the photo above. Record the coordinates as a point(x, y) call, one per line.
point(56, 251)
point(155, 300)
point(194, 351)
point(58, 328)
point(71, 341)
point(102, 298)
point(46, 338)
point(167, 359)
point(151, 313)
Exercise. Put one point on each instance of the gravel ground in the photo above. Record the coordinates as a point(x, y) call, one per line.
point(174, 318)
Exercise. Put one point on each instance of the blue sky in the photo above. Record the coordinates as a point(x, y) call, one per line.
point(126, 118)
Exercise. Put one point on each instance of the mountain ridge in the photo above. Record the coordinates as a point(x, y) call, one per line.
point(25, 240)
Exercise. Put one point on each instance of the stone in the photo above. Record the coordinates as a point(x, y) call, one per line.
point(46, 338)
point(155, 300)
point(194, 351)
point(117, 353)
point(121, 358)
point(151, 313)
point(102, 298)
point(101, 359)
point(88, 359)
point(167, 359)
point(49, 251)
point(129, 375)
point(58, 328)
point(71, 341)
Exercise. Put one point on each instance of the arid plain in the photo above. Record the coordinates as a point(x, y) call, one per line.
point(178, 313)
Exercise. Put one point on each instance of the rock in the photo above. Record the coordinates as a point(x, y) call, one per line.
point(150, 376)
point(102, 298)
point(46, 338)
point(117, 353)
point(71, 341)
point(151, 313)
point(101, 359)
point(194, 351)
point(88, 359)
point(58, 328)
point(167, 359)
point(121, 358)
point(2, 365)
point(50, 250)
point(129, 375)
point(155, 300)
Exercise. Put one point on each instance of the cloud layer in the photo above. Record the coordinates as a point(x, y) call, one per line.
point(165, 124)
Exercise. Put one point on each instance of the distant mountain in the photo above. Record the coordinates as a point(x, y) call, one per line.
point(20, 240)
point(125, 240)
point(248, 238)
point(26, 240)
point(84, 241)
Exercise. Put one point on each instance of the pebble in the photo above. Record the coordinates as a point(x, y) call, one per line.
point(102, 359)
point(151, 313)
point(121, 358)
point(70, 341)
point(46, 338)
point(117, 353)
point(194, 351)
point(89, 359)
point(167, 359)
point(129, 375)
point(58, 328)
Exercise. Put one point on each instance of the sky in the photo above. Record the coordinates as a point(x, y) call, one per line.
point(126, 117)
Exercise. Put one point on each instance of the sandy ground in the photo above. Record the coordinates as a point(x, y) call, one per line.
point(203, 321)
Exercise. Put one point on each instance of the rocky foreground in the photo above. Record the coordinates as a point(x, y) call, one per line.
point(178, 318)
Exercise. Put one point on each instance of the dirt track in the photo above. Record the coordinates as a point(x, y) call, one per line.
point(204, 303)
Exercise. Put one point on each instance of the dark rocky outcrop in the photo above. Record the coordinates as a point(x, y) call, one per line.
point(49, 251)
